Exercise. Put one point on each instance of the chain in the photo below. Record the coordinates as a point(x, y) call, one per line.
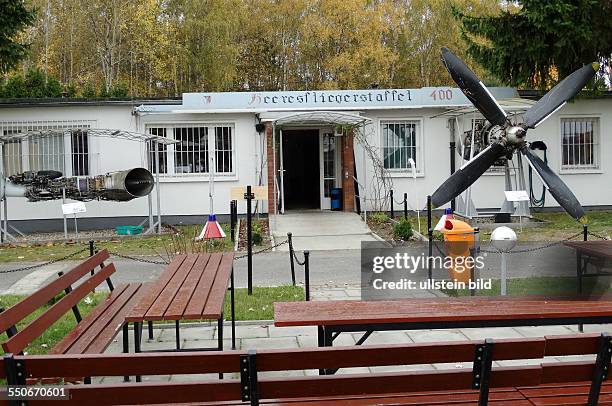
point(27, 268)
point(601, 237)
point(138, 259)
point(397, 202)
point(263, 250)
point(300, 263)
point(533, 249)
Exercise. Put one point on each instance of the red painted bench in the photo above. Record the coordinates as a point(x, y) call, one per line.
point(92, 334)
point(556, 382)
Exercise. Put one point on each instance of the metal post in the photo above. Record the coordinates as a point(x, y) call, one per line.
point(233, 219)
point(290, 241)
point(504, 273)
point(453, 147)
point(64, 214)
point(233, 309)
point(248, 197)
point(406, 206)
point(585, 232)
point(429, 237)
point(76, 228)
point(6, 225)
point(307, 274)
point(391, 202)
point(157, 191)
point(92, 248)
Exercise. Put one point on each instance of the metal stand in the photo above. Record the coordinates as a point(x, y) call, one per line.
point(249, 196)
point(429, 238)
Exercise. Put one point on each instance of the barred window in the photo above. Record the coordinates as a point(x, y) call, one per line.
point(66, 151)
point(191, 151)
point(580, 143)
point(399, 139)
point(162, 151)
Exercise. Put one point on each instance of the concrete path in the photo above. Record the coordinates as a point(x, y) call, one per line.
point(321, 230)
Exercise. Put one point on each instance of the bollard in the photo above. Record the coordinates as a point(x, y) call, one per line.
point(249, 196)
point(232, 222)
point(585, 232)
point(290, 241)
point(92, 248)
point(406, 206)
point(391, 201)
point(307, 274)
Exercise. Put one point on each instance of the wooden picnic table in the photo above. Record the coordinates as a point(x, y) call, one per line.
point(595, 253)
point(337, 316)
point(192, 287)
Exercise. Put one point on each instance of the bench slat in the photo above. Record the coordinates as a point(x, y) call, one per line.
point(214, 304)
point(104, 328)
point(185, 293)
point(196, 305)
point(85, 324)
point(20, 340)
point(20, 310)
point(154, 290)
point(157, 310)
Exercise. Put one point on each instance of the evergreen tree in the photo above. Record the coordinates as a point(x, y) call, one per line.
point(14, 18)
point(540, 41)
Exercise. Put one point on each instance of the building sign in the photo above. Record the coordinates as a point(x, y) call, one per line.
point(325, 100)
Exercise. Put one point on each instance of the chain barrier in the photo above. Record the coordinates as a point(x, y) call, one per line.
point(300, 263)
point(601, 237)
point(138, 259)
point(263, 250)
point(53, 261)
point(398, 202)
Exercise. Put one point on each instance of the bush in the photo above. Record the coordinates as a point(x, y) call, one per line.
point(31, 85)
point(403, 230)
point(89, 91)
point(379, 217)
point(119, 90)
point(257, 234)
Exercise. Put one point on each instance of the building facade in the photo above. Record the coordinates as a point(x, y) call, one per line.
point(301, 144)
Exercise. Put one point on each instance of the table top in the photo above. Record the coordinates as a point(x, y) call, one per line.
point(192, 287)
point(436, 310)
point(596, 248)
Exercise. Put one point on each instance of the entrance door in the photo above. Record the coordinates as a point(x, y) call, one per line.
point(301, 164)
point(328, 153)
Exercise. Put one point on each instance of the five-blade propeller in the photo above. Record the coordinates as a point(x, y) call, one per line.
point(513, 136)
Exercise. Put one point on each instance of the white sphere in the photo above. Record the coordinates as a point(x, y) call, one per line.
point(503, 238)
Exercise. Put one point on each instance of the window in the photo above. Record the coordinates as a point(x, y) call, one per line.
point(399, 140)
point(66, 151)
point(580, 143)
point(192, 152)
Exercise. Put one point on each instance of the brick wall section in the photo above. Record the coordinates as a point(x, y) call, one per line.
point(270, 166)
point(348, 166)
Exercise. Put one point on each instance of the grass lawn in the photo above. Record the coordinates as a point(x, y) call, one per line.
point(135, 245)
point(259, 306)
point(562, 286)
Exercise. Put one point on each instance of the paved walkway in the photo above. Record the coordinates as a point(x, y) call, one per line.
point(321, 230)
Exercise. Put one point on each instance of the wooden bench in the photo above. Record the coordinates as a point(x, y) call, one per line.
point(539, 383)
point(336, 316)
point(92, 334)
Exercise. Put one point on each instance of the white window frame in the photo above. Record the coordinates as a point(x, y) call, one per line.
point(420, 146)
point(597, 156)
point(170, 174)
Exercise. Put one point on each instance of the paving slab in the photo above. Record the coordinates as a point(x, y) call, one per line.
point(269, 343)
point(490, 332)
point(433, 336)
point(227, 344)
point(541, 331)
point(385, 337)
point(245, 331)
point(274, 331)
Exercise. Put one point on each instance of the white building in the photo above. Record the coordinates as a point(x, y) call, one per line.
point(317, 143)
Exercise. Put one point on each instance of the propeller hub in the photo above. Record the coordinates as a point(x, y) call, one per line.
point(515, 135)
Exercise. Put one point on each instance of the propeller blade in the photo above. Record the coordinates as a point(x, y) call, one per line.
point(559, 95)
point(559, 190)
point(473, 88)
point(467, 175)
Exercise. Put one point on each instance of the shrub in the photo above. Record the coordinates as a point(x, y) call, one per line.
point(379, 217)
point(89, 91)
point(257, 234)
point(403, 230)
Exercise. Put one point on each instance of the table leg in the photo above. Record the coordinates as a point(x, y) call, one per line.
point(328, 340)
point(177, 334)
point(321, 342)
point(220, 337)
point(233, 309)
point(150, 330)
point(137, 332)
point(126, 345)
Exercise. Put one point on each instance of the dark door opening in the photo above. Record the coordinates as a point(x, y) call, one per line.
point(301, 164)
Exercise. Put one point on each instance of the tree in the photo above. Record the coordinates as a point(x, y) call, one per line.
point(14, 18)
point(540, 42)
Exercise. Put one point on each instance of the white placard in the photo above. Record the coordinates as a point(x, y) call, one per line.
point(73, 208)
point(516, 195)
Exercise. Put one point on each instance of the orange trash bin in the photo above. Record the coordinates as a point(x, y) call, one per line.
point(459, 240)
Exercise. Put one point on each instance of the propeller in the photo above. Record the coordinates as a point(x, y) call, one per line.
point(510, 138)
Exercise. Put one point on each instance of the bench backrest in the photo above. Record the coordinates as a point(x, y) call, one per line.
point(251, 387)
point(9, 318)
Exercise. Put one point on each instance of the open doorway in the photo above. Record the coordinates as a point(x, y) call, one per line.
point(301, 165)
